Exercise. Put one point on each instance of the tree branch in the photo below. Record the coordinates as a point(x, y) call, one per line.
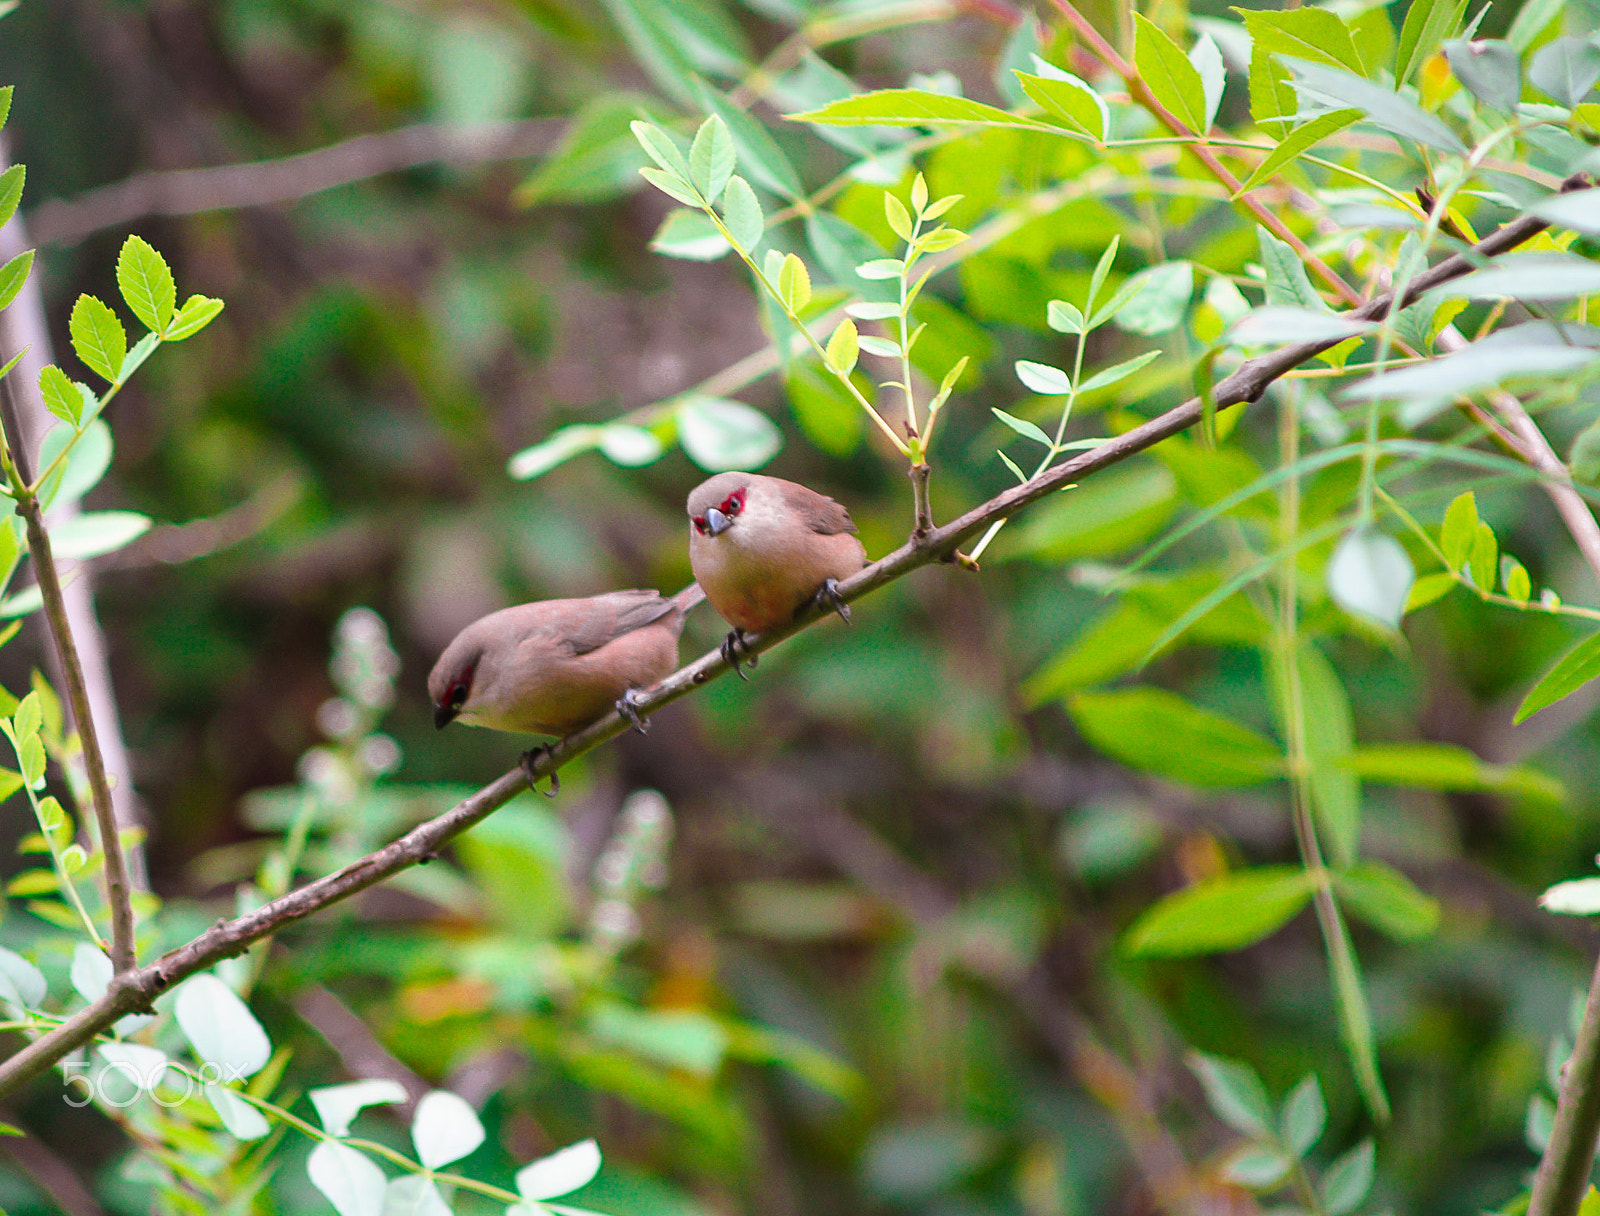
point(225, 939)
point(257, 184)
point(118, 889)
point(1563, 1177)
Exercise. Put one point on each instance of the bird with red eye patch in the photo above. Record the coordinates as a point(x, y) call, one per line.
point(553, 667)
point(763, 548)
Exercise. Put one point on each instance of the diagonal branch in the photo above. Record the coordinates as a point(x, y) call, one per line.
point(135, 990)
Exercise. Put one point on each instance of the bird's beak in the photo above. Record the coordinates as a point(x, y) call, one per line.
point(716, 522)
point(443, 715)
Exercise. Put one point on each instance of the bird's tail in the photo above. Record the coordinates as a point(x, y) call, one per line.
point(689, 597)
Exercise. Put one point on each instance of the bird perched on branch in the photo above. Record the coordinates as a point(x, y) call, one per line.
point(552, 667)
point(763, 547)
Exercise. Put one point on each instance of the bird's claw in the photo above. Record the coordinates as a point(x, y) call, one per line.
point(531, 758)
point(828, 596)
point(734, 651)
point(628, 707)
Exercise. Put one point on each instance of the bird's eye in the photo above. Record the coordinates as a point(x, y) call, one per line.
point(733, 504)
point(458, 695)
point(699, 522)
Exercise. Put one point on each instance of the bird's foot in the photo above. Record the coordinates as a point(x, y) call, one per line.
point(628, 707)
point(735, 651)
point(828, 596)
point(529, 759)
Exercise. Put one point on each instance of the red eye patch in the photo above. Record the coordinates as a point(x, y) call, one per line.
point(733, 503)
point(699, 522)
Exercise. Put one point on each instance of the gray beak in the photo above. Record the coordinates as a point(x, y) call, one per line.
point(443, 715)
point(716, 522)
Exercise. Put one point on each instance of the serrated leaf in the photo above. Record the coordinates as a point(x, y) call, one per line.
point(1459, 530)
point(843, 348)
point(1484, 564)
point(1299, 141)
point(742, 214)
point(1167, 73)
point(197, 312)
point(1070, 101)
point(13, 275)
point(1314, 34)
point(11, 182)
point(711, 158)
point(1286, 276)
point(663, 149)
point(98, 337)
point(61, 395)
point(794, 284)
point(146, 283)
point(1024, 428)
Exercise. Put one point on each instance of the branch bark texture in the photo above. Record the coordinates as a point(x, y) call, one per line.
point(227, 938)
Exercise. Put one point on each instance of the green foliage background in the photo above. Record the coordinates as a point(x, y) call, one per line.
point(897, 917)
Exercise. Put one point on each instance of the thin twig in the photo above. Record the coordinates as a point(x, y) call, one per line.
point(259, 183)
point(1563, 1177)
point(226, 939)
point(118, 889)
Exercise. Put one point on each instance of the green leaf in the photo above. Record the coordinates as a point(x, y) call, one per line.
point(1043, 379)
point(899, 218)
point(13, 275)
point(671, 185)
point(1427, 589)
point(5, 101)
point(561, 446)
point(742, 214)
point(1490, 70)
point(1532, 276)
point(1386, 900)
point(1566, 69)
point(561, 1173)
point(1484, 564)
point(348, 1179)
point(1443, 766)
point(1206, 57)
point(631, 447)
point(220, 1026)
point(910, 108)
point(1575, 669)
point(1064, 318)
point(1299, 141)
point(1273, 101)
point(1257, 1167)
point(1348, 1180)
point(1337, 89)
point(1304, 1116)
point(763, 161)
point(1159, 300)
point(718, 434)
point(1426, 25)
point(11, 191)
point(678, 1038)
point(662, 148)
point(1329, 736)
point(596, 158)
point(679, 42)
point(711, 158)
point(1532, 19)
point(1459, 530)
point(197, 312)
point(1515, 576)
point(1370, 575)
point(1313, 34)
point(689, 233)
point(1118, 372)
point(1167, 73)
point(794, 283)
point(95, 533)
point(1287, 283)
point(1097, 280)
point(1159, 732)
point(61, 395)
point(1071, 102)
point(146, 284)
point(1227, 913)
point(843, 348)
point(98, 337)
point(1024, 428)
point(1279, 324)
point(829, 416)
point(444, 1129)
point(1234, 1092)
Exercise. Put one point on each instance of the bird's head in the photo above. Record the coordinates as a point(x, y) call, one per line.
point(450, 685)
point(715, 505)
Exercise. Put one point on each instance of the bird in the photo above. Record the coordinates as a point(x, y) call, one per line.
point(763, 548)
point(554, 666)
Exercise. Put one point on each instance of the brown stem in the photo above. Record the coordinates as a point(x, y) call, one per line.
point(922, 511)
point(118, 889)
point(1563, 1177)
point(137, 989)
point(1141, 94)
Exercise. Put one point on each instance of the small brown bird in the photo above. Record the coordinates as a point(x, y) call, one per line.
point(551, 667)
point(763, 547)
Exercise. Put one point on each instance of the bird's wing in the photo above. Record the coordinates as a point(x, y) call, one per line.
point(820, 513)
point(606, 617)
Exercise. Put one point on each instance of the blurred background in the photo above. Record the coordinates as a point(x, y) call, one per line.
point(856, 952)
